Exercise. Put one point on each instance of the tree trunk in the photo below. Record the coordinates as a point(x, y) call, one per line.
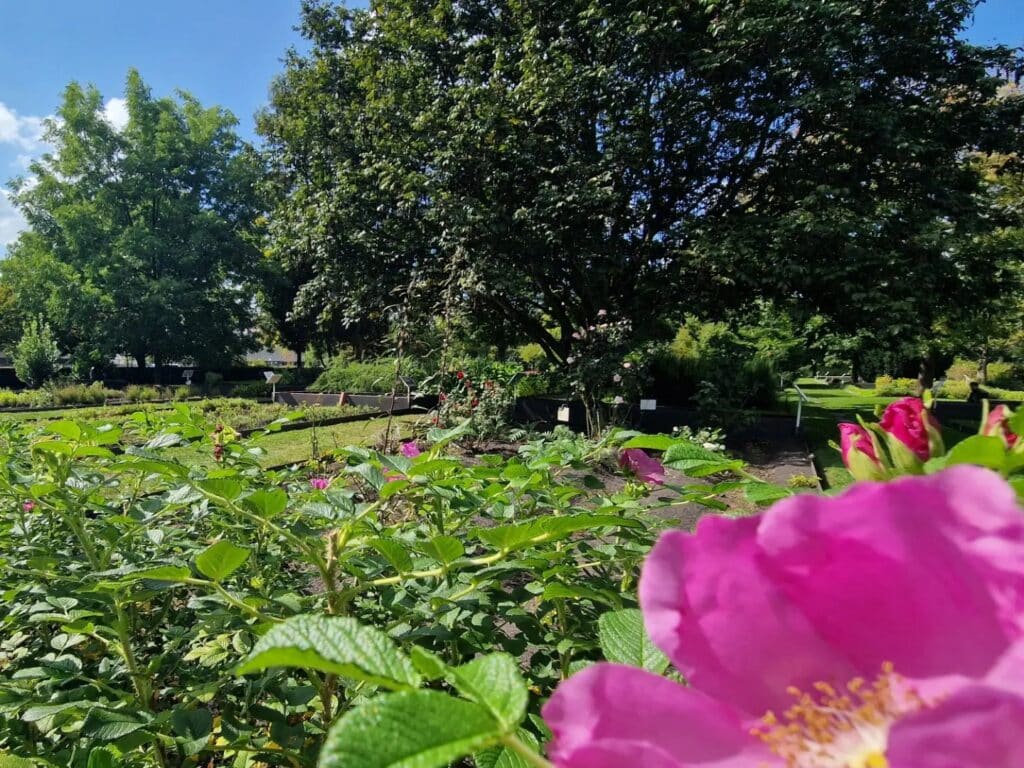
point(140, 359)
point(926, 373)
point(983, 365)
point(298, 359)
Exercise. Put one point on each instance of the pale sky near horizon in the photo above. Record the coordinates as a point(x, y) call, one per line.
point(225, 52)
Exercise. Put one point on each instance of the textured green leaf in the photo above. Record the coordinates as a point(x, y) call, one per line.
point(109, 724)
point(222, 487)
point(766, 493)
point(413, 729)
point(394, 552)
point(494, 681)
point(651, 442)
point(193, 728)
point(979, 449)
point(543, 529)
point(220, 560)
point(12, 761)
point(444, 549)
point(624, 641)
point(503, 757)
point(267, 503)
point(338, 645)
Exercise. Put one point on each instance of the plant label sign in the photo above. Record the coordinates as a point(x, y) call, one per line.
point(648, 405)
point(563, 414)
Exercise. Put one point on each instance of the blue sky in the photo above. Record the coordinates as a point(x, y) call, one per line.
point(223, 51)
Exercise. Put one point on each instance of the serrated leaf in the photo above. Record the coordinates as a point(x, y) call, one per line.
point(503, 757)
point(267, 503)
point(444, 549)
point(625, 641)
point(193, 728)
point(13, 761)
point(220, 560)
point(338, 645)
point(429, 664)
point(394, 552)
point(543, 529)
point(110, 724)
point(223, 487)
point(766, 493)
point(494, 681)
point(413, 729)
point(979, 449)
point(651, 442)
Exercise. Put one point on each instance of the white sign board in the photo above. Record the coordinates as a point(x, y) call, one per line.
point(648, 405)
point(563, 414)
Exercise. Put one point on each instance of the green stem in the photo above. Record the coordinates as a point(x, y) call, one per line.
point(528, 754)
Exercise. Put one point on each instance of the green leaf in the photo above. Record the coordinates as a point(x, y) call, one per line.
point(981, 450)
point(177, 574)
point(193, 728)
point(220, 560)
point(12, 761)
point(544, 529)
point(441, 437)
point(503, 757)
point(414, 729)
point(624, 641)
point(101, 757)
point(429, 664)
point(337, 645)
point(110, 724)
point(444, 549)
point(494, 681)
point(394, 552)
point(222, 487)
point(267, 503)
point(558, 591)
point(651, 442)
point(67, 429)
point(766, 493)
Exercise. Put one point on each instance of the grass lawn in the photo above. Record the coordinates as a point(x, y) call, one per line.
point(831, 405)
point(297, 446)
point(100, 412)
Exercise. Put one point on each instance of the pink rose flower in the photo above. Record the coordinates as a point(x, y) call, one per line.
point(28, 506)
point(997, 425)
point(646, 469)
point(879, 628)
point(319, 483)
point(913, 425)
point(859, 454)
point(410, 450)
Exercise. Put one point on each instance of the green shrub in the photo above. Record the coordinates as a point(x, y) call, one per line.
point(36, 356)
point(962, 370)
point(26, 398)
point(954, 390)
point(532, 355)
point(999, 373)
point(887, 386)
point(136, 393)
point(182, 392)
point(375, 376)
point(253, 389)
point(82, 394)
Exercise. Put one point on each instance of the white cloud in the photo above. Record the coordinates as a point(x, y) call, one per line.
point(115, 112)
point(11, 222)
point(25, 132)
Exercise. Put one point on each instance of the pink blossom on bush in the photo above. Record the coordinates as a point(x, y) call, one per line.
point(319, 483)
point(878, 629)
point(913, 425)
point(997, 425)
point(28, 506)
point(646, 469)
point(410, 450)
point(859, 453)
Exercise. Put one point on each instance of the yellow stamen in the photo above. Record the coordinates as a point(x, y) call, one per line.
point(846, 728)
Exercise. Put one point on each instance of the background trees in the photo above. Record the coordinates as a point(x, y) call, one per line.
point(141, 239)
point(559, 159)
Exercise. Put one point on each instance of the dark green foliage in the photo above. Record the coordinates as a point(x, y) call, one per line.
point(141, 239)
point(36, 355)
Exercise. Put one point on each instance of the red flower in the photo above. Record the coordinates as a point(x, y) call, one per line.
point(460, 375)
point(474, 403)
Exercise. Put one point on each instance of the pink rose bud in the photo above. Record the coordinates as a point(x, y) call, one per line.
point(410, 450)
point(28, 506)
point(646, 469)
point(319, 483)
point(913, 433)
point(997, 425)
point(859, 453)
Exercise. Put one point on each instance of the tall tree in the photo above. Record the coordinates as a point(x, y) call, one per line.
point(155, 218)
point(557, 159)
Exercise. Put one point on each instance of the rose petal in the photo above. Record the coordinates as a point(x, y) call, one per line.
point(724, 622)
point(977, 727)
point(924, 572)
point(609, 711)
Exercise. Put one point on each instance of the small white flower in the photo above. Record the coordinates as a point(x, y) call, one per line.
point(570, 360)
point(627, 365)
point(602, 312)
point(616, 378)
point(619, 400)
